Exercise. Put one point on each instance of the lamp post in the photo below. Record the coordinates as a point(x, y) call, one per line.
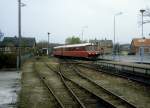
point(142, 12)
point(120, 13)
point(142, 46)
point(48, 42)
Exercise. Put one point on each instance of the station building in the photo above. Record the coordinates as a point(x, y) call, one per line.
point(138, 43)
point(124, 49)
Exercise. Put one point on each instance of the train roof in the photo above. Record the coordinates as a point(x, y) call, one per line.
point(74, 45)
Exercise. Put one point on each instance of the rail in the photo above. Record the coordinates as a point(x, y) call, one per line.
point(70, 90)
point(143, 79)
point(105, 103)
point(47, 86)
point(107, 91)
point(115, 98)
point(135, 69)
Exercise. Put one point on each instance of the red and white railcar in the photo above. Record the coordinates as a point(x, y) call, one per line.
point(85, 50)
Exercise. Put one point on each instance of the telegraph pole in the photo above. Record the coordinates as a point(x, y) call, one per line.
point(83, 31)
point(19, 33)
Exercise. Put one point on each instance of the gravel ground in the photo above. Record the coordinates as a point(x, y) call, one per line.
point(134, 92)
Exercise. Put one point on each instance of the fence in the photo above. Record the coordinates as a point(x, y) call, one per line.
point(8, 59)
point(137, 69)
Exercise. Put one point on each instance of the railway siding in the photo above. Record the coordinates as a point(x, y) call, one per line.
point(132, 91)
point(57, 86)
point(137, 74)
point(88, 99)
point(115, 101)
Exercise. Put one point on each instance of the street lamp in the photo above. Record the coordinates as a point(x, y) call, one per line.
point(142, 12)
point(117, 14)
point(142, 46)
point(83, 31)
point(48, 42)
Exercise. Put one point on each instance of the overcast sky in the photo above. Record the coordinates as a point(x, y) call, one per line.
point(64, 18)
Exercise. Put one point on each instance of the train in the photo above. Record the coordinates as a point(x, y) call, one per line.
point(84, 50)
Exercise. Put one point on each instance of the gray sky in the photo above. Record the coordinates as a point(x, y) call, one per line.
point(63, 18)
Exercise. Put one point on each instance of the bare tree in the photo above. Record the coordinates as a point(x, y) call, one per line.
point(147, 16)
point(1, 34)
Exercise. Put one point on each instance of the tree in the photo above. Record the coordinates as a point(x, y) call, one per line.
point(73, 40)
point(42, 44)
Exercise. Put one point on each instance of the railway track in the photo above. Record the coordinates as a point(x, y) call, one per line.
point(87, 98)
point(64, 98)
point(96, 89)
point(123, 74)
point(56, 103)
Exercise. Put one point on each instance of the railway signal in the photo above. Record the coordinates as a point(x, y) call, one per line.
point(48, 43)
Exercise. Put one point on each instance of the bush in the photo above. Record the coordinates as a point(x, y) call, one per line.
point(8, 60)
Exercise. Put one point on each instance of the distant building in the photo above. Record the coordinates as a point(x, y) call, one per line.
point(138, 43)
point(106, 45)
point(11, 44)
point(42, 48)
point(124, 49)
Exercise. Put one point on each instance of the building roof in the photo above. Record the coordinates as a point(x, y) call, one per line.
point(73, 45)
point(140, 42)
point(14, 41)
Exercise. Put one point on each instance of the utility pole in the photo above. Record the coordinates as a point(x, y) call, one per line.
point(82, 35)
point(19, 33)
point(82, 32)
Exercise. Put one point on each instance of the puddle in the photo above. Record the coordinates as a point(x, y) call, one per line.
point(9, 88)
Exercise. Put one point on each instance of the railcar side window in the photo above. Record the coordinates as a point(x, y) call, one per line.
point(87, 48)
